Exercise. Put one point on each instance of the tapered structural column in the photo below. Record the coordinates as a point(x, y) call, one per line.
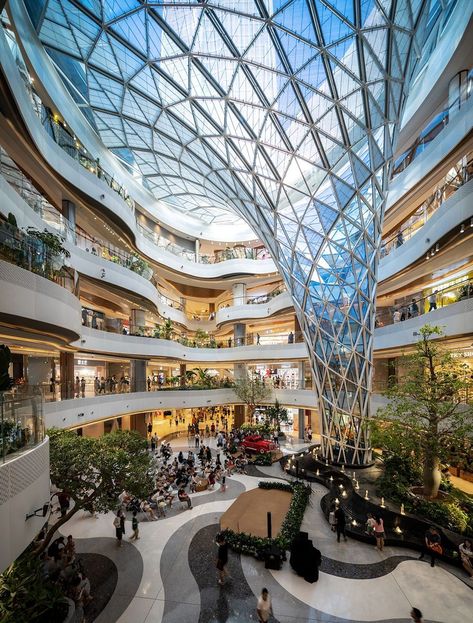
point(138, 375)
point(324, 231)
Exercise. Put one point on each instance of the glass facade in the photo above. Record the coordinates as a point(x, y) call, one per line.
point(283, 113)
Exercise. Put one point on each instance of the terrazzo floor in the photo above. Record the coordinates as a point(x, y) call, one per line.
point(169, 576)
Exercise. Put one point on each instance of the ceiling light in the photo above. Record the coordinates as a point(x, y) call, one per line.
point(462, 228)
point(437, 247)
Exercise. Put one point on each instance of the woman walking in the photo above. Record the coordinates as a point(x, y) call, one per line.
point(379, 532)
point(222, 558)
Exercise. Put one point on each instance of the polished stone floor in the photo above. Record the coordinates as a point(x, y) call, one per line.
point(168, 576)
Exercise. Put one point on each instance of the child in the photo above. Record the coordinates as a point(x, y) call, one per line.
point(134, 527)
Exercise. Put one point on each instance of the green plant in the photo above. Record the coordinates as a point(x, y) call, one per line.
point(263, 459)
point(252, 391)
point(26, 595)
point(277, 414)
point(426, 414)
point(203, 377)
point(94, 471)
point(446, 514)
point(138, 264)
point(166, 329)
point(53, 242)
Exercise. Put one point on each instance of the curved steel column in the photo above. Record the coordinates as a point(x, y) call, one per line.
point(328, 249)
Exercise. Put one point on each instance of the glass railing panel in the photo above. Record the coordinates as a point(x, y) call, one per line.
point(457, 177)
point(420, 306)
point(21, 421)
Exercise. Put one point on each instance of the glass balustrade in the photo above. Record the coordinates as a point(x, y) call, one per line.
point(432, 129)
point(21, 421)
point(422, 305)
point(454, 179)
point(28, 252)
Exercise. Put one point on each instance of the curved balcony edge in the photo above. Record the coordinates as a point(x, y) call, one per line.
point(93, 340)
point(406, 183)
point(455, 319)
point(455, 210)
point(24, 486)
point(82, 411)
point(27, 300)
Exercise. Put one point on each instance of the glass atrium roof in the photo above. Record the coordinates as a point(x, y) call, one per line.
point(223, 102)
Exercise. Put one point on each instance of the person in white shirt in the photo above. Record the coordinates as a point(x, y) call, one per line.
point(264, 608)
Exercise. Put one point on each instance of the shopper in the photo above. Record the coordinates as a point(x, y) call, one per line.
point(134, 526)
point(82, 387)
point(341, 520)
point(433, 300)
point(379, 532)
point(466, 556)
point(264, 608)
point(432, 545)
point(222, 559)
point(118, 530)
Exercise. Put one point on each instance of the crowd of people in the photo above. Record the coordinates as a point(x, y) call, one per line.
point(62, 566)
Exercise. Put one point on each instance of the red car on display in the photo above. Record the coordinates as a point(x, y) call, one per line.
point(256, 443)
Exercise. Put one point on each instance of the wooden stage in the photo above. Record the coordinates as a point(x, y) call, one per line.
point(248, 512)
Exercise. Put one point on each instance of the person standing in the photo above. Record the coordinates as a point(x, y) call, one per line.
point(257, 339)
point(82, 387)
point(121, 515)
point(341, 520)
point(77, 387)
point(118, 530)
point(433, 300)
point(379, 532)
point(222, 559)
point(197, 440)
point(264, 608)
point(134, 526)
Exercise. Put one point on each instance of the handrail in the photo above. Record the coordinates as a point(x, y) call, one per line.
point(261, 299)
point(21, 422)
point(59, 391)
point(445, 189)
point(205, 340)
point(431, 130)
point(420, 306)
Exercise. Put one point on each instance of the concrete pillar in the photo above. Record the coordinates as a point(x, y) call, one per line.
point(137, 319)
point(138, 375)
point(301, 374)
point(300, 423)
point(239, 293)
point(182, 374)
point(93, 430)
point(69, 213)
point(66, 372)
point(239, 334)
point(239, 415)
point(197, 250)
point(138, 423)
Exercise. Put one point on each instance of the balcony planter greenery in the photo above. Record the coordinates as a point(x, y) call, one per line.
point(52, 242)
point(166, 329)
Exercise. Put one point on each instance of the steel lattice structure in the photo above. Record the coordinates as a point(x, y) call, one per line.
point(282, 112)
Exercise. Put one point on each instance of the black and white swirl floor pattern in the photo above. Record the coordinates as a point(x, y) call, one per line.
point(169, 576)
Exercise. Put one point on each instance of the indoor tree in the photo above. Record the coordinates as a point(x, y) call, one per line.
point(94, 471)
point(252, 391)
point(277, 414)
point(427, 412)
